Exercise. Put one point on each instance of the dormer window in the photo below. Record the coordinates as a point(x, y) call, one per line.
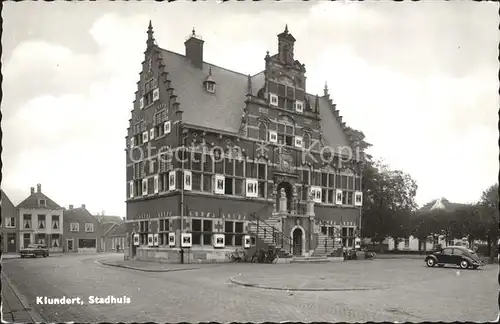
point(41, 202)
point(209, 82)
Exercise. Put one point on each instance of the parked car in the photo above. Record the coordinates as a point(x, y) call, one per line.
point(34, 250)
point(456, 255)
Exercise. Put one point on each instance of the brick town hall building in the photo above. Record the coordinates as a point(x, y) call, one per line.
point(235, 160)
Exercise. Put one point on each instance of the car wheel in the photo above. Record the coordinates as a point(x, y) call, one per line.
point(464, 264)
point(45, 255)
point(430, 262)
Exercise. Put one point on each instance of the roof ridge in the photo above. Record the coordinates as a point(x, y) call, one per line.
point(211, 64)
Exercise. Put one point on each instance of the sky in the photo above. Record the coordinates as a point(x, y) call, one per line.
point(420, 79)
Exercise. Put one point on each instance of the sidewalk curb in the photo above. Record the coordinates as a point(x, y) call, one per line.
point(143, 270)
point(299, 289)
point(35, 316)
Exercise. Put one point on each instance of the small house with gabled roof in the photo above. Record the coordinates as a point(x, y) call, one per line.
point(40, 221)
point(9, 225)
point(83, 232)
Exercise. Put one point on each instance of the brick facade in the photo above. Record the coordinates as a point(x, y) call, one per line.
point(216, 148)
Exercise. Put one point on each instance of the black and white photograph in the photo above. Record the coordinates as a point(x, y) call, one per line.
point(220, 184)
point(250, 161)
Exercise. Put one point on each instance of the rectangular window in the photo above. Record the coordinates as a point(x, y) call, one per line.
point(55, 222)
point(207, 183)
point(238, 168)
point(261, 171)
point(228, 186)
point(26, 221)
point(305, 177)
point(331, 196)
point(229, 232)
point(407, 242)
point(196, 185)
point(357, 184)
point(196, 162)
point(324, 179)
point(41, 221)
point(281, 90)
point(331, 180)
point(338, 181)
point(229, 170)
point(238, 237)
point(324, 196)
point(10, 222)
point(207, 163)
point(262, 189)
point(219, 165)
point(74, 227)
point(238, 187)
point(89, 227)
point(350, 182)
point(250, 170)
point(207, 232)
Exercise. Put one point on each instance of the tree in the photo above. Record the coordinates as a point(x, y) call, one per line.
point(488, 216)
point(389, 200)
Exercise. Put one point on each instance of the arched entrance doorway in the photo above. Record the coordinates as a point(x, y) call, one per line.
point(289, 192)
point(298, 240)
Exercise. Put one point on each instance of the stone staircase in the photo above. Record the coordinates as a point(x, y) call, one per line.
point(320, 249)
point(266, 232)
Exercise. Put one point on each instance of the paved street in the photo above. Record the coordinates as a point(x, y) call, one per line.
point(403, 290)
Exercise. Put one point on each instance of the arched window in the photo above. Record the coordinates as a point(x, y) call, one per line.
point(262, 131)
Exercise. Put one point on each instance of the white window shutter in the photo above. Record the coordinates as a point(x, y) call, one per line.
point(156, 94)
point(156, 184)
point(338, 197)
point(132, 142)
point(273, 99)
point(131, 189)
point(219, 187)
point(145, 137)
point(166, 127)
point(141, 103)
point(299, 106)
point(152, 133)
point(298, 141)
point(273, 136)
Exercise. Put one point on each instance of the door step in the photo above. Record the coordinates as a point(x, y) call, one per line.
point(309, 259)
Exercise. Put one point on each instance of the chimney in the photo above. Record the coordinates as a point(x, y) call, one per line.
point(39, 188)
point(70, 206)
point(194, 50)
point(83, 206)
point(32, 190)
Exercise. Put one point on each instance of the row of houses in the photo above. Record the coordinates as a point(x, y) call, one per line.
point(40, 220)
point(433, 242)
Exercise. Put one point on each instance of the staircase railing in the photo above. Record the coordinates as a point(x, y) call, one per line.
point(278, 237)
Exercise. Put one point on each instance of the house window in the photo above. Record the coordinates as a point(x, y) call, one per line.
point(164, 228)
point(196, 234)
point(41, 221)
point(42, 202)
point(407, 242)
point(10, 222)
point(210, 87)
point(229, 233)
point(286, 133)
point(238, 236)
point(55, 222)
point(149, 92)
point(26, 221)
point(89, 227)
point(261, 176)
point(74, 227)
point(196, 183)
point(306, 140)
point(55, 241)
point(207, 232)
point(143, 232)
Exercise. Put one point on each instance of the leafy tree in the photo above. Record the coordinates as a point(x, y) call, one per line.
point(488, 216)
point(389, 202)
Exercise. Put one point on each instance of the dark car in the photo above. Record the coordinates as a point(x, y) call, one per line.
point(456, 255)
point(34, 250)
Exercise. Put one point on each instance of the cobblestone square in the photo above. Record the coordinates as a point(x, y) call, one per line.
point(397, 290)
